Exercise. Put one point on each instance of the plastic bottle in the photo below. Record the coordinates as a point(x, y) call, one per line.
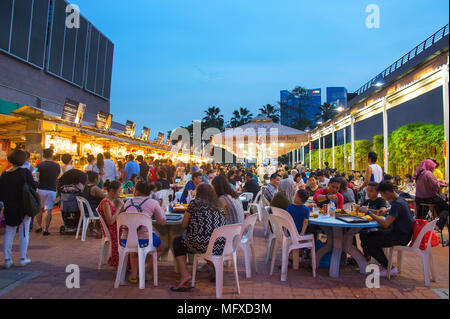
point(332, 209)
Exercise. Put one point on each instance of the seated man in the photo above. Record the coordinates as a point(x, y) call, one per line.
point(251, 185)
point(331, 193)
point(272, 188)
point(397, 228)
point(197, 179)
point(375, 204)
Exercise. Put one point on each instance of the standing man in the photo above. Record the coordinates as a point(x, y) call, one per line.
point(272, 188)
point(110, 168)
point(48, 172)
point(143, 167)
point(131, 168)
point(374, 172)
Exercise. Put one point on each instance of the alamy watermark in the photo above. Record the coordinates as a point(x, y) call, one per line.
point(73, 17)
point(373, 277)
point(73, 280)
point(373, 19)
point(252, 144)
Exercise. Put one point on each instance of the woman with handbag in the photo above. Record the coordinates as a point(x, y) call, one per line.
point(12, 182)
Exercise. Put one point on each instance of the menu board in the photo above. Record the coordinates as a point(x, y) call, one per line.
point(103, 121)
point(4, 150)
point(130, 128)
point(160, 138)
point(73, 111)
point(168, 141)
point(145, 133)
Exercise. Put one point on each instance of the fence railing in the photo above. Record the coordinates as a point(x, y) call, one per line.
point(441, 33)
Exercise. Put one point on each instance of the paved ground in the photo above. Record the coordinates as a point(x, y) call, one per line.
point(45, 277)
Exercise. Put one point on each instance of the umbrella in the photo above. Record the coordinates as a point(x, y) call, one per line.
point(260, 139)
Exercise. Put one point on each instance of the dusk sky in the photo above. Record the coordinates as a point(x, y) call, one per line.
point(174, 59)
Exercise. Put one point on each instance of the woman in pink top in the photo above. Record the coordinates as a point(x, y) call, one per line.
point(142, 203)
point(427, 191)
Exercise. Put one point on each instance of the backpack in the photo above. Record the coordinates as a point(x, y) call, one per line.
point(138, 207)
point(31, 201)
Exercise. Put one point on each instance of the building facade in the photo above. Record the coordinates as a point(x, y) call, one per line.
point(291, 107)
point(337, 96)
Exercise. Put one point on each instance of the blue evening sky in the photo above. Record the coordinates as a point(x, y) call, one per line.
point(175, 58)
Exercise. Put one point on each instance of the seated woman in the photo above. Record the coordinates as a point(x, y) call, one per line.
point(280, 200)
point(109, 209)
point(202, 217)
point(128, 187)
point(229, 200)
point(141, 203)
point(163, 179)
point(427, 192)
point(94, 195)
point(311, 185)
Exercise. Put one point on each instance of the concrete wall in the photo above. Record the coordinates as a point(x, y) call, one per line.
point(35, 83)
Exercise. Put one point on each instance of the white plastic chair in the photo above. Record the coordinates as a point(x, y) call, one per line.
point(83, 218)
point(247, 245)
point(427, 256)
point(248, 196)
point(257, 204)
point(132, 221)
point(283, 222)
point(272, 238)
point(105, 249)
point(231, 234)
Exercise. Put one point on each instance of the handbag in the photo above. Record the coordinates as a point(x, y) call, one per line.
point(417, 227)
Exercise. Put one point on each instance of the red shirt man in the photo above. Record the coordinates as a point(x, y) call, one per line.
point(325, 195)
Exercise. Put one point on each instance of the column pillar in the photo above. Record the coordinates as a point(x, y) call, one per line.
point(445, 95)
point(332, 146)
point(320, 157)
point(345, 149)
point(385, 136)
point(352, 128)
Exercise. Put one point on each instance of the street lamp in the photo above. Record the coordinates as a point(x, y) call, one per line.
point(340, 109)
point(320, 121)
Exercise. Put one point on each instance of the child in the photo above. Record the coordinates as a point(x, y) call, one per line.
point(129, 186)
point(157, 194)
point(374, 203)
point(300, 212)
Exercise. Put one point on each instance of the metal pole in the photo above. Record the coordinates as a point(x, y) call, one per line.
point(320, 160)
point(385, 136)
point(345, 149)
point(352, 128)
point(445, 95)
point(310, 153)
point(324, 147)
point(332, 146)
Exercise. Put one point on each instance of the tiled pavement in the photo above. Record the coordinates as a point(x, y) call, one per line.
point(51, 255)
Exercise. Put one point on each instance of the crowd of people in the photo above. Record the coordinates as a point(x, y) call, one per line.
point(211, 192)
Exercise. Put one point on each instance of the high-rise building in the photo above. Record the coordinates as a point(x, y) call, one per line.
point(290, 106)
point(337, 96)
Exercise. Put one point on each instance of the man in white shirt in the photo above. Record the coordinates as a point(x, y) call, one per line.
point(110, 168)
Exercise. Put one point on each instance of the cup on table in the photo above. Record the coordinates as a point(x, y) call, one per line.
point(356, 207)
point(316, 212)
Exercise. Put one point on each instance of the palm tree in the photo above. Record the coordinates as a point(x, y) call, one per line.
point(271, 112)
point(240, 117)
point(327, 112)
point(213, 118)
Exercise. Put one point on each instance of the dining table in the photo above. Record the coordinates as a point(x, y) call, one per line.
point(340, 239)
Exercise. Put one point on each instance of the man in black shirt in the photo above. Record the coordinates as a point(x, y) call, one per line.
point(251, 185)
point(397, 227)
point(48, 174)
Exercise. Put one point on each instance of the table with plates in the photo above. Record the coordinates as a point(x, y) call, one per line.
point(340, 239)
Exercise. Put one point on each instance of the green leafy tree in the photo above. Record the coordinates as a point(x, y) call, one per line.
point(271, 112)
point(213, 118)
point(327, 112)
point(240, 117)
